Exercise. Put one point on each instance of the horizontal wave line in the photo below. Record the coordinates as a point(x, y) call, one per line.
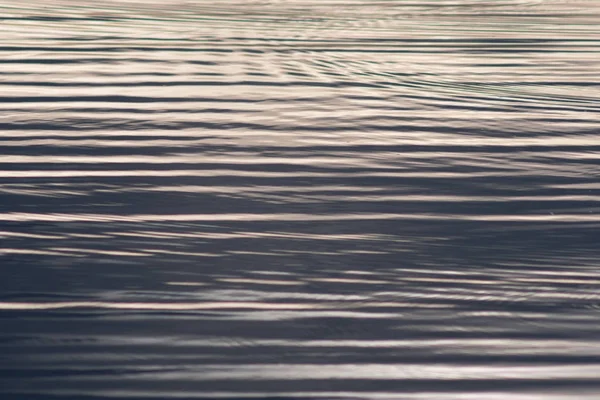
point(62, 217)
point(447, 144)
point(312, 159)
point(119, 99)
point(253, 174)
point(22, 306)
point(413, 42)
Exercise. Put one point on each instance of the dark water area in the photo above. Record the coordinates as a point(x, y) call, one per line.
point(300, 199)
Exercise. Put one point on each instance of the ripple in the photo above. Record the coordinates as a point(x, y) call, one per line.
point(299, 199)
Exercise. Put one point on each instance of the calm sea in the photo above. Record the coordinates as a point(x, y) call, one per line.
point(300, 199)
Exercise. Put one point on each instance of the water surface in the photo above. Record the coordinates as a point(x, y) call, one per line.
point(300, 199)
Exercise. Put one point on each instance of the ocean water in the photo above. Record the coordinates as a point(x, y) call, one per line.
point(300, 199)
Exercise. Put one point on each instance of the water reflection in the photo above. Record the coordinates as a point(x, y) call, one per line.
point(300, 199)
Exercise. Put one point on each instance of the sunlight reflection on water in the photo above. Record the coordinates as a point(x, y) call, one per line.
point(300, 199)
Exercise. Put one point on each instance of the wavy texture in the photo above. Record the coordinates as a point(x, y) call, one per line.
point(300, 199)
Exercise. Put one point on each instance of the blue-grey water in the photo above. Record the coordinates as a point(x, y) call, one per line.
point(300, 199)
